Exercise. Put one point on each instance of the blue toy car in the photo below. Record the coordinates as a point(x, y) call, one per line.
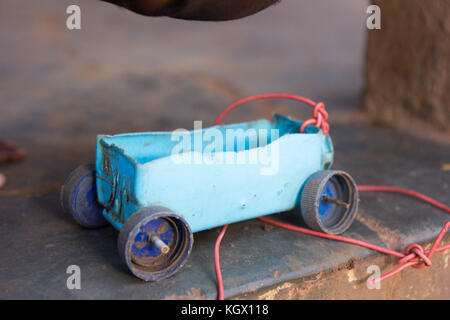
point(157, 188)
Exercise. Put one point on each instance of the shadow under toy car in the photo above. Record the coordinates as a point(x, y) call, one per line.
point(157, 188)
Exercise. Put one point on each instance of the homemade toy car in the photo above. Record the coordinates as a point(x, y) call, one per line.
point(157, 188)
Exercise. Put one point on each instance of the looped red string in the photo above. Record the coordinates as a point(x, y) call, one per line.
point(320, 116)
point(415, 256)
point(415, 253)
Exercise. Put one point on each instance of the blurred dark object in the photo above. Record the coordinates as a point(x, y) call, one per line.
point(10, 152)
point(214, 10)
point(408, 64)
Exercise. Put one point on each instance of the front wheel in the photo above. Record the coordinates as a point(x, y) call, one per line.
point(329, 201)
point(155, 243)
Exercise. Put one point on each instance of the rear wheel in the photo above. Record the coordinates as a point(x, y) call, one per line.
point(155, 243)
point(329, 201)
point(79, 197)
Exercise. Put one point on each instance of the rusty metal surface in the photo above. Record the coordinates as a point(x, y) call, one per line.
point(124, 73)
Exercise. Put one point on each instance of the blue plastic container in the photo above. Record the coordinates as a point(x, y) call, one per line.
point(167, 185)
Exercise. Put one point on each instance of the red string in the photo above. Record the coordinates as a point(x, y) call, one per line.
point(217, 262)
point(320, 115)
point(414, 255)
point(407, 192)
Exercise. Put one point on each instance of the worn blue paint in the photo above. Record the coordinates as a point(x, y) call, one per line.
point(335, 190)
point(326, 208)
point(79, 197)
point(136, 170)
point(323, 214)
point(83, 203)
point(142, 247)
point(143, 258)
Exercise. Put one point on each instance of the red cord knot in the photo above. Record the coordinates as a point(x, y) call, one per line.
point(415, 253)
point(320, 116)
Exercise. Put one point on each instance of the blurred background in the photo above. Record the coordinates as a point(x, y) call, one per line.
point(123, 72)
point(181, 70)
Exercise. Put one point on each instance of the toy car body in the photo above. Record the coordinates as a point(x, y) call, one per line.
point(157, 188)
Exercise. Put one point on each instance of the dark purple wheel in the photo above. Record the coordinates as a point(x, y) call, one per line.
point(329, 201)
point(79, 197)
point(155, 243)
